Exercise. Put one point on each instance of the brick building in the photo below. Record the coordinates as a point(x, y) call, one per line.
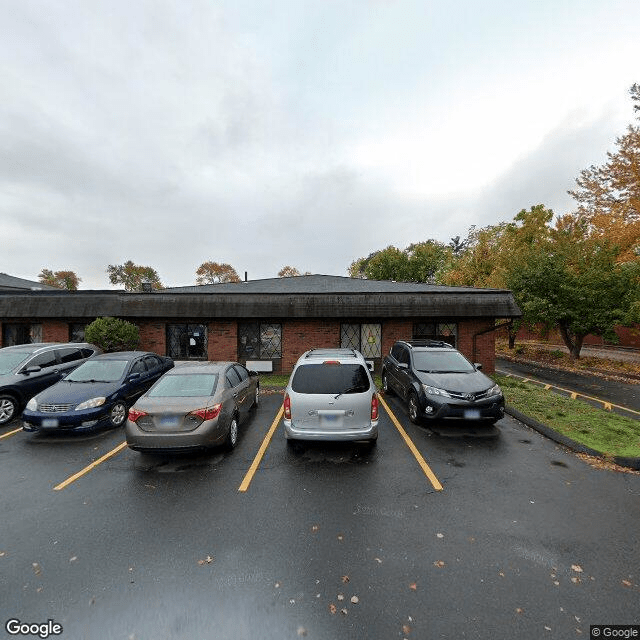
point(269, 323)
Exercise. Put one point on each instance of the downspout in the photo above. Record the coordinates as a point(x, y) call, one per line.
point(508, 323)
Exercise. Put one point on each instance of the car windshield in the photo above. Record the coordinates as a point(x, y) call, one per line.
point(441, 362)
point(330, 379)
point(98, 371)
point(10, 359)
point(184, 385)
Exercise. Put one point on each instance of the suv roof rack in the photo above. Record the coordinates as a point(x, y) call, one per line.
point(328, 351)
point(429, 343)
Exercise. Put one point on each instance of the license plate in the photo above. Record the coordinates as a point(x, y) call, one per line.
point(169, 422)
point(331, 420)
point(47, 423)
point(472, 414)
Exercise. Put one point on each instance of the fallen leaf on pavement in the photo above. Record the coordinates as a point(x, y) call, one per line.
point(577, 568)
point(36, 568)
point(345, 579)
point(355, 599)
point(439, 564)
point(413, 586)
point(627, 583)
point(207, 560)
point(332, 609)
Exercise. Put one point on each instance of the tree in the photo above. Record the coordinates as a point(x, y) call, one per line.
point(132, 276)
point(608, 196)
point(214, 273)
point(574, 282)
point(60, 279)
point(419, 262)
point(290, 272)
point(112, 334)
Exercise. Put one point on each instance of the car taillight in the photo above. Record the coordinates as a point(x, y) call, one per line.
point(374, 407)
point(287, 407)
point(134, 414)
point(209, 413)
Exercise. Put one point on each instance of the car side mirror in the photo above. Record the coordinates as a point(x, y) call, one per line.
point(403, 365)
point(478, 365)
point(133, 377)
point(33, 369)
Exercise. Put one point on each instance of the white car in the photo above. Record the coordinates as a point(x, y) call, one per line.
point(331, 396)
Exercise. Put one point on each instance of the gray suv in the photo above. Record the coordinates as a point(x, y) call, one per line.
point(27, 369)
point(331, 396)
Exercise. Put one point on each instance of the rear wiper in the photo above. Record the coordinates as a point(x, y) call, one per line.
point(349, 390)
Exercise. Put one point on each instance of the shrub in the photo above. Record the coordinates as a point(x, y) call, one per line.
point(113, 334)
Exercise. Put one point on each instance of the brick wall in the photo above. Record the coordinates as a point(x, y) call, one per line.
point(222, 340)
point(485, 344)
point(55, 331)
point(300, 335)
point(153, 336)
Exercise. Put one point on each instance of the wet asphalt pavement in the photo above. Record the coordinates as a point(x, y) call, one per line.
point(329, 541)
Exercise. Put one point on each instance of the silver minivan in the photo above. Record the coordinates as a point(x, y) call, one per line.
point(331, 396)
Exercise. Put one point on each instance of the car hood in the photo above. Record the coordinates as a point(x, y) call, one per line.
point(173, 405)
point(468, 382)
point(64, 392)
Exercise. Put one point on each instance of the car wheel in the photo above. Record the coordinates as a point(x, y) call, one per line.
point(413, 408)
point(385, 385)
point(232, 434)
point(118, 414)
point(8, 409)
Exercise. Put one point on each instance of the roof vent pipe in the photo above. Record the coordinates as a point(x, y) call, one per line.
point(245, 276)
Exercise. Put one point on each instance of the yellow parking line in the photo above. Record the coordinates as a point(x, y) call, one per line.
point(573, 394)
point(421, 461)
point(10, 433)
point(88, 468)
point(244, 485)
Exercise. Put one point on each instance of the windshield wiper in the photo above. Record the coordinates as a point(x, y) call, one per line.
point(349, 390)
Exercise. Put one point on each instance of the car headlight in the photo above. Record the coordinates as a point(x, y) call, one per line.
point(434, 391)
point(91, 404)
point(32, 405)
point(495, 391)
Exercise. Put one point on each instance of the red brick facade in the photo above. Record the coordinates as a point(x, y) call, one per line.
point(297, 337)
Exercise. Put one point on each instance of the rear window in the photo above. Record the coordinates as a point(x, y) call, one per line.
point(330, 379)
point(184, 385)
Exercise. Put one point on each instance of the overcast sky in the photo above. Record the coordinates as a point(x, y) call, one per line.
point(293, 132)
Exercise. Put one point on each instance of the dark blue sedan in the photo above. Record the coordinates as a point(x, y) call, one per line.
point(98, 393)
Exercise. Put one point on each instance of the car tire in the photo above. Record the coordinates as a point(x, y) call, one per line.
point(118, 414)
point(413, 407)
point(385, 385)
point(8, 409)
point(232, 435)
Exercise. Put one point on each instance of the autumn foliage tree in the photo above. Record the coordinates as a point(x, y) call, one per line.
point(60, 279)
point(214, 273)
point(608, 195)
point(132, 276)
point(288, 272)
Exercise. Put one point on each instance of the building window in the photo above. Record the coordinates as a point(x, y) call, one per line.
point(20, 333)
point(187, 341)
point(445, 331)
point(365, 338)
point(76, 331)
point(259, 340)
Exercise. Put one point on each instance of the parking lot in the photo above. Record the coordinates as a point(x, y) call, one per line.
point(439, 533)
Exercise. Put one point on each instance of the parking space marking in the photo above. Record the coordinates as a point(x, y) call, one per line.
point(88, 468)
point(10, 433)
point(412, 447)
point(244, 485)
point(608, 406)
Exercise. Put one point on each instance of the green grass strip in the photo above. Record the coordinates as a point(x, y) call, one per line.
point(607, 432)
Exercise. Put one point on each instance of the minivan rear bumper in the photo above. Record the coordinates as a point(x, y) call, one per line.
point(369, 432)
